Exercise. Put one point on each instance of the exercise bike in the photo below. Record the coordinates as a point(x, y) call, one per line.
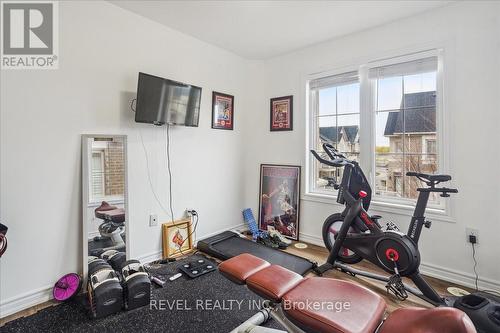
point(353, 235)
point(112, 228)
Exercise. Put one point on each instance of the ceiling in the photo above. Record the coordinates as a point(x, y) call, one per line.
point(263, 29)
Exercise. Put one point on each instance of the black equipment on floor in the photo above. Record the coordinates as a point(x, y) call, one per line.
point(483, 309)
point(198, 267)
point(229, 244)
point(353, 235)
point(136, 284)
point(3, 239)
point(114, 258)
point(71, 316)
point(159, 280)
point(105, 293)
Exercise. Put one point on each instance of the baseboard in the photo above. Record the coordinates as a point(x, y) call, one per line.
point(38, 296)
point(311, 239)
point(24, 301)
point(153, 256)
point(463, 278)
point(236, 228)
point(446, 274)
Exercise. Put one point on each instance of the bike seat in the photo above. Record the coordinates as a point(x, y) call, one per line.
point(110, 213)
point(99, 211)
point(115, 215)
point(430, 177)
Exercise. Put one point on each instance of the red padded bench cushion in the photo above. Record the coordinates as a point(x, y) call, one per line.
point(239, 268)
point(273, 282)
point(439, 320)
point(363, 314)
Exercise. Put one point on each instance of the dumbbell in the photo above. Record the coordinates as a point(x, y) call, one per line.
point(136, 284)
point(105, 292)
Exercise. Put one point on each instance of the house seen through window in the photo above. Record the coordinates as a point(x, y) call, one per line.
point(338, 119)
point(107, 180)
point(402, 115)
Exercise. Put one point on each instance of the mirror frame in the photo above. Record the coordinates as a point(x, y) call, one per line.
point(86, 148)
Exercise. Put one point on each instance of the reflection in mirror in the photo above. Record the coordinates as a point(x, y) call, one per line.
point(104, 199)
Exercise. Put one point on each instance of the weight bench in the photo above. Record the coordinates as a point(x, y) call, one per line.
point(324, 305)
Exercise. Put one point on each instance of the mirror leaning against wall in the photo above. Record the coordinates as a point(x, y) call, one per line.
point(104, 195)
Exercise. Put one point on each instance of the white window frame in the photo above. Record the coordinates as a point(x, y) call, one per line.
point(312, 128)
point(367, 130)
point(103, 178)
point(96, 201)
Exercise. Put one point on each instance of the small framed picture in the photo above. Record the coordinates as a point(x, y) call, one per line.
point(282, 113)
point(279, 199)
point(222, 111)
point(177, 238)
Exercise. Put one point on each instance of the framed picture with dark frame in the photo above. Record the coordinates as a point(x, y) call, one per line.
point(222, 111)
point(279, 199)
point(281, 114)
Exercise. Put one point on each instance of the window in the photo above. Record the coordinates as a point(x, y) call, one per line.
point(397, 118)
point(431, 146)
point(97, 179)
point(107, 180)
point(405, 117)
point(337, 120)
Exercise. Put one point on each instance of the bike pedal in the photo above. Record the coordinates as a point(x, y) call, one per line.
point(396, 286)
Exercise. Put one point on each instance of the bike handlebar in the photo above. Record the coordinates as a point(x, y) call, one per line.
point(441, 189)
point(337, 159)
point(335, 162)
point(332, 152)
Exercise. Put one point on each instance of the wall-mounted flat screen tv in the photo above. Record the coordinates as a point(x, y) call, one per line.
point(162, 101)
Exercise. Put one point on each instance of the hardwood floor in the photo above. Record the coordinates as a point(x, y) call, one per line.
point(320, 254)
point(27, 312)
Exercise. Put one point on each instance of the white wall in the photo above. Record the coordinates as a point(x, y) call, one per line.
point(102, 47)
point(469, 32)
point(43, 114)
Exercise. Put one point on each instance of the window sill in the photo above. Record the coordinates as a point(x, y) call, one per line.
point(442, 215)
point(111, 201)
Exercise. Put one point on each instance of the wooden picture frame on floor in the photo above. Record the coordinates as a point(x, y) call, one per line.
point(177, 238)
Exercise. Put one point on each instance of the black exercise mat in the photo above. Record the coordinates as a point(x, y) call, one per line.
point(211, 287)
point(229, 244)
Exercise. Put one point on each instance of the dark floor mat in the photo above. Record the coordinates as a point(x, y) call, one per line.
point(100, 244)
point(209, 303)
point(229, 244)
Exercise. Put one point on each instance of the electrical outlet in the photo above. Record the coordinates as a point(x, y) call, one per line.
point(153, 220)
point(188, 211)
point(471, 231)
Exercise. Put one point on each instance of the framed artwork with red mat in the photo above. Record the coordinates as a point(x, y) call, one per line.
point(222, 111)
point(281, 114)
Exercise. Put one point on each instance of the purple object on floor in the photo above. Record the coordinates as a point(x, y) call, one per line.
point(67, 287)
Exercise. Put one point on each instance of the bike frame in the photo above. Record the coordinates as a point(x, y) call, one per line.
point(354, 213)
